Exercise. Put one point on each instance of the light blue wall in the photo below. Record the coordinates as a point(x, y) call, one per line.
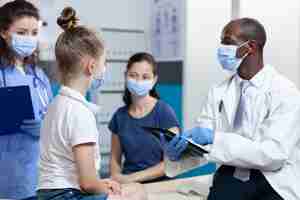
point(172, 94)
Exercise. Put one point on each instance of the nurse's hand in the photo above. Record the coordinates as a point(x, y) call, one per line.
point(31, 127)
point(200, 135)
point(174, 148)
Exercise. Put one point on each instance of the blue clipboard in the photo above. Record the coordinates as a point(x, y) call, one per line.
point(15, 106)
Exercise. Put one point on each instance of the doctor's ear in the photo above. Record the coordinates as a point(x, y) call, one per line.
point(246, 49)
point(252, 46)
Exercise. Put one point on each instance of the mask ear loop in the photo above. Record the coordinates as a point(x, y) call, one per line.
point(243, 44)
point(44, 98)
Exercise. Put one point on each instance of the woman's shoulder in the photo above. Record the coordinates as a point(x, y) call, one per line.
point(123, 110)
point(163, 106)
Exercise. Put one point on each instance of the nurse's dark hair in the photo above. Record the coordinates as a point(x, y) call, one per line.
point(252, 29)
point(141, 57)
point(9, 13)
point(73, 44)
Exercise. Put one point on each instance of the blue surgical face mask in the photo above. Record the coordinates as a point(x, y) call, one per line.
point(98, 80)
point(227, 57)
point(139, 88)
point(22, 45)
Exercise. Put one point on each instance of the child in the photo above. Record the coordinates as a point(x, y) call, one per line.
point(69, 136)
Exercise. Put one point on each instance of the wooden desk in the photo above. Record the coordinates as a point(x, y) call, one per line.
point(168, 189)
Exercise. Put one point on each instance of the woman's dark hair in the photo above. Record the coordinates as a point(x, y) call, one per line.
point(9, 13)
point(140, 57)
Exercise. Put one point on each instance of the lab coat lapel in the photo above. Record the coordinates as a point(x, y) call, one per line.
point(230, 100)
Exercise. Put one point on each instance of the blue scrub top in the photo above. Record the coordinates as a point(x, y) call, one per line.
point(141, 149)
point(19, 152)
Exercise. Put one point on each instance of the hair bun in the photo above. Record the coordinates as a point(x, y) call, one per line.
point(67, 19)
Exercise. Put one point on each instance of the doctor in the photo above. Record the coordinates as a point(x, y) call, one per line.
point(253, 131)
point(19, 150)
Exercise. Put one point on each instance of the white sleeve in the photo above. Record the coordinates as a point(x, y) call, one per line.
point(83, 127)
point(279, 137)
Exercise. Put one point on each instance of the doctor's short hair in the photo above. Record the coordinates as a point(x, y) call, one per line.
point(140, 57)
point(9, 13)
point(252, 29)
point(73, 44)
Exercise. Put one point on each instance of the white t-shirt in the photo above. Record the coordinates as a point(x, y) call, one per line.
point(70, 120)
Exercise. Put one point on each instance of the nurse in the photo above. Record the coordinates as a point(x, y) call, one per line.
point(142, 151)
point(254, 134)
point(19, 151)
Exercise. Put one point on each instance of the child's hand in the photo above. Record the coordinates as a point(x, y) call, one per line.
point(112, 187)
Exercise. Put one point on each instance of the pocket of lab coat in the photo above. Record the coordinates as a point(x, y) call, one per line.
point(221, 124)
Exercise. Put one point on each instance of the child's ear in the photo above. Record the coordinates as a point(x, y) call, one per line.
point(89, 67)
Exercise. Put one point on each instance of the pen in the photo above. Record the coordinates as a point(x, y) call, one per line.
point(201, 117)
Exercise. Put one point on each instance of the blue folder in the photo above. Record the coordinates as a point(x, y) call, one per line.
point(15, 106)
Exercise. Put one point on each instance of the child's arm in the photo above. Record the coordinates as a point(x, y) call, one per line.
point(84, 155)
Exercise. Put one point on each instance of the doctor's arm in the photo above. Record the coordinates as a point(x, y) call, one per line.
point(279, 136)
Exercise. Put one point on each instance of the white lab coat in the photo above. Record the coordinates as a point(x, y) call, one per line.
point(271, 143)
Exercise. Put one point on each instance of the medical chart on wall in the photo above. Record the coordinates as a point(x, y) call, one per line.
point(167, 19)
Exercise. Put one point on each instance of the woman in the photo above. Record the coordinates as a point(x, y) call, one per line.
point(142, 151)
point(19, 150)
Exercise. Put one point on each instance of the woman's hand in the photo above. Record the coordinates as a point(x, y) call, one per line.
point(122, 178)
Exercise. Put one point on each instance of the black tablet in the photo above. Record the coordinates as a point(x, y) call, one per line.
point(193, 148)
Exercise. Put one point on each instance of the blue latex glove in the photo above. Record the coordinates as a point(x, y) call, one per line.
point(200, 135)
point(31, 127)
point(174, 148)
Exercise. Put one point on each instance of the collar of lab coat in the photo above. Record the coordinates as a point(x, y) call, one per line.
point(73, 94)
point(231, 95)
point(257, 80)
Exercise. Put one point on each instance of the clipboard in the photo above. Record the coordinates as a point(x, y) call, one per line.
point(15, 105)
point(192, 149)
